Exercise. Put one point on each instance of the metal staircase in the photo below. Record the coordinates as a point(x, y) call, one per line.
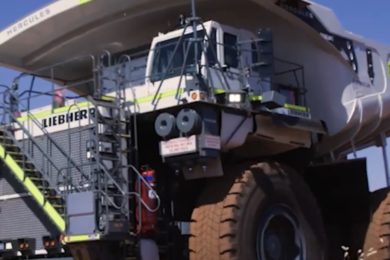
point(33, 180)
point(31, 163)
point(102, 198)
point(42, 181)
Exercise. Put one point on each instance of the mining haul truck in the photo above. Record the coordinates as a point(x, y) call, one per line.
point(176, 129)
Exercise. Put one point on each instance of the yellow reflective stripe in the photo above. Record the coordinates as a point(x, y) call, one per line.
point(85, 1)
point(255, 98)
point(388, 67)
point(76, 106)
point(108, 98)
point(295, 107)
point(287, 106)
point(166, 94)
point(46, 113)
point(81, 238)
point(33, 189)
point(219, 91)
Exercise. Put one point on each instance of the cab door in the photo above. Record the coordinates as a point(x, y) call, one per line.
point(231, 61)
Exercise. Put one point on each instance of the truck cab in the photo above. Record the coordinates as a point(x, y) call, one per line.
point(228, 60)
point(221, 43)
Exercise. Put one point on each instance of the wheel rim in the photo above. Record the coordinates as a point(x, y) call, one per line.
point(279, 236)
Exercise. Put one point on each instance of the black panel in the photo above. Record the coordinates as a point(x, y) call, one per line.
point(302, 11)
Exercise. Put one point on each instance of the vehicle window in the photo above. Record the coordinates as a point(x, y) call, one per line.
point(370, 65)
point(212, 48)
point(255, 58)
point(230, 50)
point(184, 56)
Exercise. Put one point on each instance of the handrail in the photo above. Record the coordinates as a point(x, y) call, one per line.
point(29, 157)
point(46, 133)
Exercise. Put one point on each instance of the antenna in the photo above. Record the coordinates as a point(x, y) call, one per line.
point(193, 8)
point(195, 21)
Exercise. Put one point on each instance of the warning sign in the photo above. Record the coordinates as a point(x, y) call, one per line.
point(178, 146)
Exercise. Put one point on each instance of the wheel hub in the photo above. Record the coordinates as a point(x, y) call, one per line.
point(273, 246)
point(279, 236)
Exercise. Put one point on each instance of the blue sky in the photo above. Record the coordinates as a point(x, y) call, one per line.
point(365, 17)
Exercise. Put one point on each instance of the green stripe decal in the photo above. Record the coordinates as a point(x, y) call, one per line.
point(81, 238)
point(33, 189)
point(141, 100)
point(287, 106)
point(60, 110)
point(255, 98)
point(166, 94)
point(82, 2)
point(219, 91)
point(295, 107)
point(388, 67)
point(76, 106)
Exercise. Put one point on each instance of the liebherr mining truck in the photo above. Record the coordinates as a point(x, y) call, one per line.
point(177, 129)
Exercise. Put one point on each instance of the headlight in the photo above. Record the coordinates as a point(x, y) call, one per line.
point(235, 98)
point(8, 245)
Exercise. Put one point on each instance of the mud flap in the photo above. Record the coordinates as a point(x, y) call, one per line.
point(341, 189)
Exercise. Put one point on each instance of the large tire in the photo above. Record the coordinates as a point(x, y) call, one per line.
point(235, 215)
point(377, 241)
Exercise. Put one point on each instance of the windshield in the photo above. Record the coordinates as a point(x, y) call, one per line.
point(163, 52)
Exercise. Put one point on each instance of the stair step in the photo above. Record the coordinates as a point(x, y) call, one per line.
point(10, 145)
point(23, 161)
point(58, 205)
point(42, 187)
point(51, 194)
point(54, 197)
point(29, 170)
point(34, 178)
point(5, 139)
point(14, 153)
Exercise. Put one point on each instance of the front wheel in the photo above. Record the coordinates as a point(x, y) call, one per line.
point(264, 213)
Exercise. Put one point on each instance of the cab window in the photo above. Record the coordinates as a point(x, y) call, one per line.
point(230, 50)
point(212, 48)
